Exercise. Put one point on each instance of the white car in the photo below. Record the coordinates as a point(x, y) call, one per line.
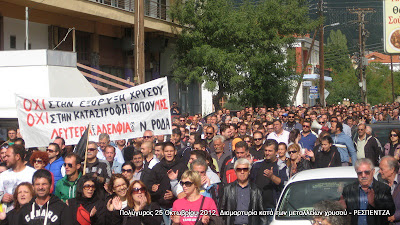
point(309, 187)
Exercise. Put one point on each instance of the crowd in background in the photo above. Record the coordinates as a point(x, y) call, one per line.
point(226, 161)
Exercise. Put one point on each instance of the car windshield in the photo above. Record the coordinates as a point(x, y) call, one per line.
point(301, 196)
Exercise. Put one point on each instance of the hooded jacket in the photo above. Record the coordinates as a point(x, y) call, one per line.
point(159, 175)
point(66, 189)
point(54, 212)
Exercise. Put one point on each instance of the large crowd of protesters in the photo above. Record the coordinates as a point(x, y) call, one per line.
point(226, 162)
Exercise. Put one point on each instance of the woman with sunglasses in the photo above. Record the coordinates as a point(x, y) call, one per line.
point(22, 195)
point(296, 163)
point(140, 207)
point(127, 170)
point(39, 160)
point(326, 155)
point(87, 207)
point(194, 202)
point(118, 186)
point(392, 148)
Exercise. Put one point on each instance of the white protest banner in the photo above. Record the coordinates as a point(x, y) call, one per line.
point(123, 114)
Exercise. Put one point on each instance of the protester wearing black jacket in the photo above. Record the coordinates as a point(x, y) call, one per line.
point(376, 194)
point(87, 207)
point(44, 208)
point(159, 183)
point(325, 155)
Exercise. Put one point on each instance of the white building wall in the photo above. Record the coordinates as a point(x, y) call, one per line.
point(207, 104)
point(38, 34)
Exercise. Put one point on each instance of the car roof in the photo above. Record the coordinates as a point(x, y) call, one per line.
point(325, 173)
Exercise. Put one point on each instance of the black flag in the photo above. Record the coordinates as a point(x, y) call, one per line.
point(80, 148)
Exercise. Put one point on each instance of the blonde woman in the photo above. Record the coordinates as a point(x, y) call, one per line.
point(194, 201)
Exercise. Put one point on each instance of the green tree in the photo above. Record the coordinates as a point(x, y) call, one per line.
point(344, 85)
point(336, 52)
point(379, 83)
point(238, 50)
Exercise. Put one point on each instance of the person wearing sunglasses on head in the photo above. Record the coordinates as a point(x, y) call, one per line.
point(325, 155)
point(193, 201)
point(87, 207)
point(367, 194)
point(140, 209)
point(66, 187)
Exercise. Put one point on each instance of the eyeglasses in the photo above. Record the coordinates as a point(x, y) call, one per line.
point(50, 150)
point(89, 186)
point(240, 170)
point(290, 116)
point(92, 149)
point(257, 139)
point(393, 135)
point(128, 170)
point(68, 164)
point(292, 152)
point(137, 190)
point(182, 120)
point(248, 141)
point(38, 161)
point(367, 172)
point(209, 133)
point(4, 146)
point(193, 128)
point(186, 183)
point(321, 122)
point(306, 126)
point(147, 137)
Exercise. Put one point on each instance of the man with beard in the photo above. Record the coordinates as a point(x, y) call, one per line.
point(159, 182)
point(17, 173)
point(307, 139)
point(44, 208)
point(269, 176)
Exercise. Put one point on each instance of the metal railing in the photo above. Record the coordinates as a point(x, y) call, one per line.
point(106, 80)
point(152, 8)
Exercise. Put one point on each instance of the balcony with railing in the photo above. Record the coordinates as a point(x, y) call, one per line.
point(155, 9)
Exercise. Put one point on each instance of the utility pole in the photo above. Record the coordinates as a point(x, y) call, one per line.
point(391, 75)
point(139, 41)
point(363, 34)
point(321, 57)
